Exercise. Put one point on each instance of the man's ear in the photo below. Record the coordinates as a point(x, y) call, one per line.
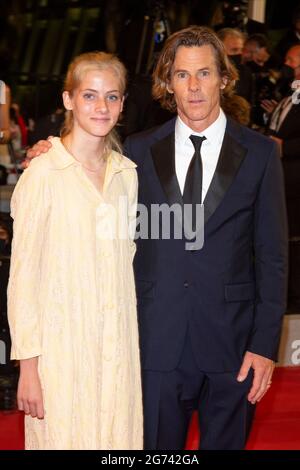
point(67, 101)
point(224, 81)
point(169, 89)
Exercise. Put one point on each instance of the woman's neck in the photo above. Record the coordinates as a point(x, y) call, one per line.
point(89, 152)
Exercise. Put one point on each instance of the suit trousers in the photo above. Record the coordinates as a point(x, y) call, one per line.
point(170, 398)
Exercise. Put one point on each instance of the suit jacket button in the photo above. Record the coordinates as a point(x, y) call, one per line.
point(186, 284)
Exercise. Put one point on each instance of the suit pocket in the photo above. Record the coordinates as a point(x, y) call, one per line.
point(145, 289)
point(240, 292)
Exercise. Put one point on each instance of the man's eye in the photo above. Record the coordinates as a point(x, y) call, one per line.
point(204, 73)
point(181, 75)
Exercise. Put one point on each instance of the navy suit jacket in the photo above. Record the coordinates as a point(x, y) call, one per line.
point(230, 295)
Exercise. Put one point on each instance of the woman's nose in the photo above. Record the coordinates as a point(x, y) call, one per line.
point(101, 105)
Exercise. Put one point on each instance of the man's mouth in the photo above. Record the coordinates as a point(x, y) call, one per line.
point(196, 100)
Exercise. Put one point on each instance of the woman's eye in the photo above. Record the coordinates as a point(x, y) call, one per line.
point(88, 96)
point(113, 97)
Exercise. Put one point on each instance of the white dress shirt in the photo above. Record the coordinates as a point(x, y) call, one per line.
point(210, 150)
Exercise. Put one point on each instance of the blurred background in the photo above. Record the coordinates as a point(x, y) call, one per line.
point(40, 37)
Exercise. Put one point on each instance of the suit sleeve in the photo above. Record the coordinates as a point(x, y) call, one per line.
point(29, 209)
point(270, 251)
point(126, 148)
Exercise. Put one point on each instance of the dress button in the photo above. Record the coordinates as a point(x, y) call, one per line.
point(186, 284)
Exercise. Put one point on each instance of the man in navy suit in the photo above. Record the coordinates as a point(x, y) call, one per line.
point(209, 318)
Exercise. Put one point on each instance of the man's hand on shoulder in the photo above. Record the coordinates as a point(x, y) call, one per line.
point(263, 371)
point(42, 146)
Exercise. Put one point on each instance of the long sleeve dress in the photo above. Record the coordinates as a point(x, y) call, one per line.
point(71, 301)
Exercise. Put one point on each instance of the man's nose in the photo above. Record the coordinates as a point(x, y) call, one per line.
point(194, 84)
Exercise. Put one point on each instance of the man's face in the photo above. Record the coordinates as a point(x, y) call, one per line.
point(252, 52)
point(293, 58)
point(233, 45)
point(249, 51)
point(196, 84)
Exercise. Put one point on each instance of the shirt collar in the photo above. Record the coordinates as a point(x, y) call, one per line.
point(214, 133)
point(62, 159)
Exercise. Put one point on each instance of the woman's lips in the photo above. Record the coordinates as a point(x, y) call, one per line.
point(100, 119)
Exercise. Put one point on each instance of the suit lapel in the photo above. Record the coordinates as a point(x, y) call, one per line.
point(231, 156)
point(163, 155)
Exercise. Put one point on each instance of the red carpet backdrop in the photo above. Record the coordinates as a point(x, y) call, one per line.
point(276, 425)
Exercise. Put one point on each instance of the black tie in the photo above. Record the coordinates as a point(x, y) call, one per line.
point(192, 193)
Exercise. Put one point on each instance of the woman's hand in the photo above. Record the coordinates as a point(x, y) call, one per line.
point(29, 396)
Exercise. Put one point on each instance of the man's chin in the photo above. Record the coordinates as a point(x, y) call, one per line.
point(197, 116)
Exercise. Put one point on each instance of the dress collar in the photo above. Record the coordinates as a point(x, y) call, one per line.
point(62, 159)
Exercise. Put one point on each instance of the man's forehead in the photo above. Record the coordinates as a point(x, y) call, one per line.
point(194, 54)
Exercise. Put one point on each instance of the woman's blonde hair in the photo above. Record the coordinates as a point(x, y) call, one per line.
point(194, 36)
point(77, 69)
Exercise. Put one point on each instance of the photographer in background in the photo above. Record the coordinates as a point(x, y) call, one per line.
point(4, 113)
point(233, 40)
point(235, 15)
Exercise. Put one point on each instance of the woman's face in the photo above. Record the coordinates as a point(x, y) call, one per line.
point(97, 102)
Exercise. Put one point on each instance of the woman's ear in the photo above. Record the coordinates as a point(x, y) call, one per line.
point(122, 104)
point(67, 101)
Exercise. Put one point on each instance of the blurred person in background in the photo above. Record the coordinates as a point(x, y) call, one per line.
point(233, 40)
point(5, 236)
point(4, 113)
point(292, 36)
point(257, 56)
point(284, 122)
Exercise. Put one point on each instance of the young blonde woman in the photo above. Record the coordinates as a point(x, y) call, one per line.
point(72, 306)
